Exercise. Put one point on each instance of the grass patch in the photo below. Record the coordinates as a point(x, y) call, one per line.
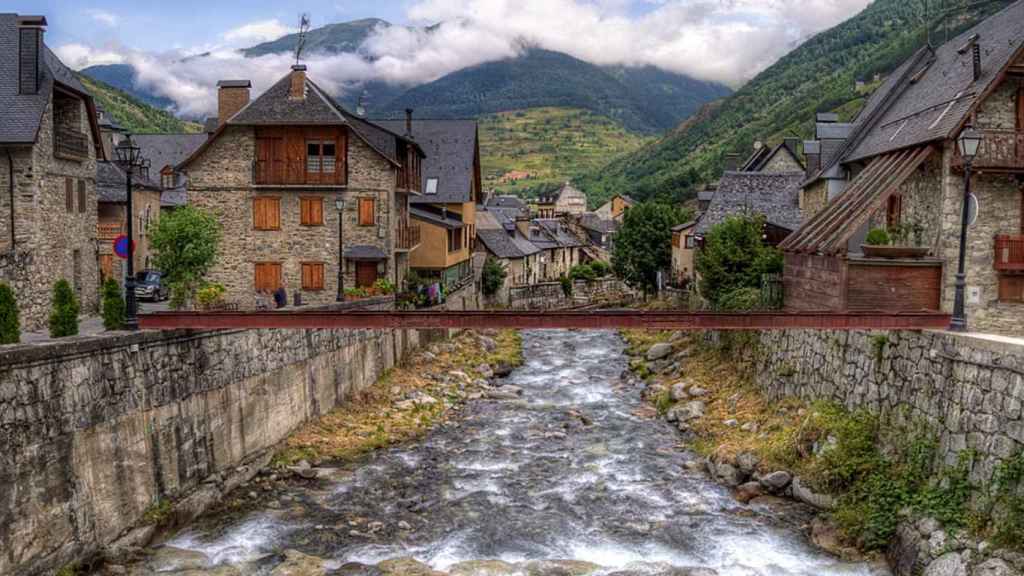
point(158, 512)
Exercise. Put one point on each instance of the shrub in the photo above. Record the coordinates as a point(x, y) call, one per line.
point(10, 327)
point(383, 286)
point(210, 296)
point(877, 237)
point(741, 300)
point(601, 268)
point(64, 317)
point(113, 305)
point(734, 256)
point(185, 246)
point(583, 272)
point(566, 285)
point(492, 276)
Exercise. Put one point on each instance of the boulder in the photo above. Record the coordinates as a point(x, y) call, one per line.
point(171, 559)
point(994, 567)
point(728, 474)
point(776, 481)
point(557, 568)
point(747, 462)
point(489, 344)
point(698, 392)
point(691, 411)
point(485, 371)
point(950, 564)
point(811, 498)
point(503, 369)
point(678, 392)
point(482, 568)
point(748, 491)
point(406, 567)
point(731, 423)
point(749, 427)
point(659, 351)
point(298, 564)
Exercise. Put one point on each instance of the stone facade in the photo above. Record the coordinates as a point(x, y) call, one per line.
point(969, 390)
point(782, 162)
point(813, 199)
point(372, 176)
point(51, 242)
point(146, 205)
point(96, 431)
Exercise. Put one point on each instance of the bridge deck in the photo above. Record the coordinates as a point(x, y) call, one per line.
point(596, 319)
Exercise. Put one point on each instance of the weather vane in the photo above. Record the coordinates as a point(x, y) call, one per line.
point(303, 28)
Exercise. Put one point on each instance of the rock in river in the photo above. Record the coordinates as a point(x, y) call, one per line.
point(298, 564)
point(659, 351)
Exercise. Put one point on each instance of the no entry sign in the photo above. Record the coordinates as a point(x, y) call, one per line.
point(121, 246)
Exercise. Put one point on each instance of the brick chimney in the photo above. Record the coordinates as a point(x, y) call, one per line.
point(232, 96)
point(812, 152)
point(732, 162)
point(297, 91)
point(408, 122)
point(30, 49)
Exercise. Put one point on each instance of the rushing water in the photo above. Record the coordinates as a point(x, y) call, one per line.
point(573, 470)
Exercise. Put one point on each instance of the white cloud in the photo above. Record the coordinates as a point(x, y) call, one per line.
point(80, 56)
point(103, 17)
point(254, 32)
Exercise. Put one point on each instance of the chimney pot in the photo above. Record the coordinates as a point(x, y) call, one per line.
point(297, 90)
point(30, 48)
point(408, 121)
point(232, 96)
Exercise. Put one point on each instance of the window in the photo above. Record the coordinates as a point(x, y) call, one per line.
point(1011, 289)
point(455, 240)
point(367, 212)
point(311, 211)
point(431, 186)
point(312, 276)
point(267, 277)
point(894, 211)
point(69, 194)
point(76, 271)
point(321, 156)
point(81, 196)
point(266, 213)
point(690, 244)
point(167, 180)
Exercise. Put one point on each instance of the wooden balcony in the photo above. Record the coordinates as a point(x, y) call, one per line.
point(108, 231)
point(1000, 151)
point(70, 144)
point(407, 237)
point(1009, 253)
point(294, 173)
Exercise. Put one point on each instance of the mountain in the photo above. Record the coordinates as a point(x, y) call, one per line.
point(642, 99)
point(329, 39)
point(819, 75)
point(131, 113)
point(122, 77)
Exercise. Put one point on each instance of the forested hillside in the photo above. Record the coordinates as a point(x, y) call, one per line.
point(820, 75)
point(133, 115)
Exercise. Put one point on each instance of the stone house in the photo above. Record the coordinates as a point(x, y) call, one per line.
point(500, 238)
point(311, 197)
point(900, 170)
point(775, 196)
point(784, 157)
point(451, 187)
point(111, 196)
point(165, 152)
point(49, 145)
point(560, 249)
point(825, 177)
point(615, 208)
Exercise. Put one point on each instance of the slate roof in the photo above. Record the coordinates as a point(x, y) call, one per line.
point(504, 244)
point(111, 182)
point(684, 226)
point(446, 219)
point(776, 196)
point(591, 221)
point(505, 201)
point(210, 125)
point(274, 107)
point(556, 230)
point(167, 149)
point(365, 252)
point(173, 198)
point(760, 158)
point(22, 113)
point(450, 147)
point(936, 90)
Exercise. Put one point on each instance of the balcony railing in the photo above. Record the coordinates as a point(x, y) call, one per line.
point(407, 237)
point(1009, 253)
point(999, 150)
point(71, 144)
point(294, 173)
point(108, 231)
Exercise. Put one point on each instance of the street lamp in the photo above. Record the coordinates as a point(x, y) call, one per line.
point(339, 204)
point(967, 144)
point(130, 158)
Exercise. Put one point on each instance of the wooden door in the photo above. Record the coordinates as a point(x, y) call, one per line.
point(366, 274)
point(106, 266)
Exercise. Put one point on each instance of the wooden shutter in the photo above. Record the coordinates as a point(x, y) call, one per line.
point(69, 194)
point(312, 211)
point(81, 195)
point(366, 212)
point(312, 276)
point(266, 213)
point(268, 276)
point(1011, 289)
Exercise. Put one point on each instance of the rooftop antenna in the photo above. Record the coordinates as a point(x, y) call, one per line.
point(303, 29)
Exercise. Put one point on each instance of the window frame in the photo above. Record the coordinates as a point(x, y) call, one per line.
point(321, 145)
point(310, 201)
point(276, 200)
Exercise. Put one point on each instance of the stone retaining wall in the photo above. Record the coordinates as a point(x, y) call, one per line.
point(550, 295)
point(970, 390)
point(95, 431)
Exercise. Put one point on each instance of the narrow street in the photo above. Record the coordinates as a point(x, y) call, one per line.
point(574, 471)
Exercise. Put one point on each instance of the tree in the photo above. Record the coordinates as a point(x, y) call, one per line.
point(493, 276)
point(734, 257)
point(643, 245)
point(113, 305)
point(64, 317)
point(10, 327)
point(185, 245)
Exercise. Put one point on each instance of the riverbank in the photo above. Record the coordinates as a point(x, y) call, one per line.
point(881, 487)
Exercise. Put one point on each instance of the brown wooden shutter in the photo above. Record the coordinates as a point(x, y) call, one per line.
point(1011, 289)
point(1020, 110)
point(313, 276)
point(69, 194)
point(894, 212)
point(366, 212)
point(311, 211)
point(81, 195)
point(267, 276)
point(266, 213)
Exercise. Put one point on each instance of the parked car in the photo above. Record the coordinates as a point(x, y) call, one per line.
point(149, 285)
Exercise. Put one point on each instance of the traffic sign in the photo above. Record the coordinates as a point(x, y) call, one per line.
point(121, 246)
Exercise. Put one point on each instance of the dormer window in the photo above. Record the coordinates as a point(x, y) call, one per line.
point(431, 186)
point(320, 157)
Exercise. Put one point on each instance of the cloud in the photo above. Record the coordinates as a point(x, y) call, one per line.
point(254, 32)
point(726, 41)
point(103, 17)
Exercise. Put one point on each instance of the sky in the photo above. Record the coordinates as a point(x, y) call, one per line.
point(727, 41)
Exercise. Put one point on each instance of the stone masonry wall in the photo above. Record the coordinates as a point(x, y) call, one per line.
point(370, 176)
point(970, 391)
point(94, 431)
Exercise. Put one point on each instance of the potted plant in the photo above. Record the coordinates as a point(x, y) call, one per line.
point(901, 241)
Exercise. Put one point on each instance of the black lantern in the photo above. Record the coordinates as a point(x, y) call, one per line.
point(130, 158)
point(127, 152)
point(967, 144)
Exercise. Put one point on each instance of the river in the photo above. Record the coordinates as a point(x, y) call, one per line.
point(576, 469)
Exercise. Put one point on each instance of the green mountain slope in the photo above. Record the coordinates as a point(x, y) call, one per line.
point(552, 145)
point(133, 114)
point(329, 39)
point(820, 75)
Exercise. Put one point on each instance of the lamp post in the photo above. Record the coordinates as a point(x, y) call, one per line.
point(129, 157)
point(967, 144)
point(340, 205)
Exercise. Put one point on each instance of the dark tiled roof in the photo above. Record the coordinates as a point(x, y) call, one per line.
point(381, 138)
point(450, 146)
point(506, 245)
point(833, 131)
point(937, 89)
point(167, 149)
point(556, 230)
point(23, 112)
point(449, 220)
point(274, 107)
point(591, 221)
point(111, 182)
point(365, 252)
point(684, 226)
point(505, 201)
point(776, 196)
point(210, 125)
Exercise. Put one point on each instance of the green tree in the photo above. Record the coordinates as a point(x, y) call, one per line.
point(493, 276)
point(734, 257)
point(64, 317)
point(643, 245)
point(113, 305)
point(10, 327)
point(185, 245)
